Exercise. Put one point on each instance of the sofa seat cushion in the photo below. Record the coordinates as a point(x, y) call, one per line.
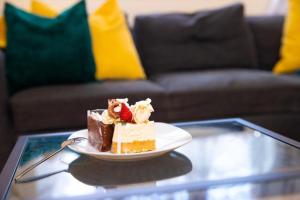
point(65, 106)
point(228, 93)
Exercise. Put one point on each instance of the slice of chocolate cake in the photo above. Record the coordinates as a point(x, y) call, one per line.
point(99, 134)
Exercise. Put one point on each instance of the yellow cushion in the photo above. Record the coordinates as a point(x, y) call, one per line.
point(2, 33)
point(290, 50)
point(114, 51)
point(42, 9)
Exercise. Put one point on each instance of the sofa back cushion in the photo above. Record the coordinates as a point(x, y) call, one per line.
point(202, 40)
point(267, 33)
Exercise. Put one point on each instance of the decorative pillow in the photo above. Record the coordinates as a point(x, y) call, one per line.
point(35, 5)
point(290, 59)
point(42, 9)
point(2, 33)
point(114, 51)
point(42, 51)
point(115, 54)
point(202, 40)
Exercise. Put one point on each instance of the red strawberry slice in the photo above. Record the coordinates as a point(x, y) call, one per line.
point(125, 113)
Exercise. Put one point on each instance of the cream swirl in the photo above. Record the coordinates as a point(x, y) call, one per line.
point(95, 115)
point(120, 101)
point(106, 118)
point(142, 110)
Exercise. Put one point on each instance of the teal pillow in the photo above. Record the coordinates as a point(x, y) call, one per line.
point(44, 51)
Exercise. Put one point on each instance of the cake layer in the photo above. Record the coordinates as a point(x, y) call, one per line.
point(129, 132)
point(134, 147)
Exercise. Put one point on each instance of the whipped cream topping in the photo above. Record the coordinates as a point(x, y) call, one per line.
point(117, 108)
point(106, 118)
point(142, 110)
point(120, 101)
point(95, 116)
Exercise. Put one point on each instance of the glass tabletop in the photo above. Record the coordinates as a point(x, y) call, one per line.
point(224, 155)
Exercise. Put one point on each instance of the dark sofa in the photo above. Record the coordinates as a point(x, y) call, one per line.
point(252, 93)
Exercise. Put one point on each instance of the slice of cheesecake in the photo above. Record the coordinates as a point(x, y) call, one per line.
point(133, 138)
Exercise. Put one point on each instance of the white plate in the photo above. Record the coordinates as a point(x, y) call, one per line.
point(168, 138)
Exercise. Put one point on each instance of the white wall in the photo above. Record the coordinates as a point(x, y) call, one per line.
point(134, 7)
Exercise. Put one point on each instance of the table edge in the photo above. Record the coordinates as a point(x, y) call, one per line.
point(10, 166)
point(270, 133)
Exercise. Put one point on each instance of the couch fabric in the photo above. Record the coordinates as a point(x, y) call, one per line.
point(65, 106)
point(5, 115)
point(203, 40)
point(6, 130)
point(267, 33)
point(222, 93)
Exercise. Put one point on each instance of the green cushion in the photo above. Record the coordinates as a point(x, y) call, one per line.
point(43, 51)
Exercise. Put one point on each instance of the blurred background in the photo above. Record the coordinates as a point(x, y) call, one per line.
point(136, 7)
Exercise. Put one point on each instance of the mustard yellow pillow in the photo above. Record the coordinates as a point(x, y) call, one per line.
point(42, 9)
point(290, 49)
point(2, 33)
point(114, 51)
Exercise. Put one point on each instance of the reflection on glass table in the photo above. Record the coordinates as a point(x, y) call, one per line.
point(288, 189)
point(224, 155)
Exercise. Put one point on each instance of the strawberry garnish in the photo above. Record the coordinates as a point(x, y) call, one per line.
point(126, 114)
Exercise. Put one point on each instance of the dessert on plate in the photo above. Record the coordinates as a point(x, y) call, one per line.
point(122, 128)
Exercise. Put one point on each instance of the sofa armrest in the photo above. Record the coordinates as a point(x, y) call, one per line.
point(6, 129)
point(4, 118)
point(267, 33)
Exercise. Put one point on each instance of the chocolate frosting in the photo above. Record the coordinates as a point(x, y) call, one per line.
point(100, 134)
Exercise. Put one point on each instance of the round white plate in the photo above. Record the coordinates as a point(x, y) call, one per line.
point(168, 138)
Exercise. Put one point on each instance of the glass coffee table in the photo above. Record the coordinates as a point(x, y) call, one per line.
point(227, 159)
